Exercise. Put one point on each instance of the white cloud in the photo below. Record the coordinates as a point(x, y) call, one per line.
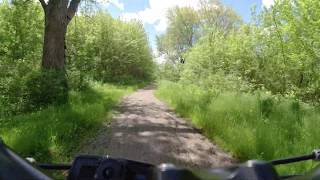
point(161, 26)
point(115, 3)
point(268, 3)
point(159, 58)
point(156, 13)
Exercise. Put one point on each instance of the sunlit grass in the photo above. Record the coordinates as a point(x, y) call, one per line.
point(54, 134)
point(250, 126)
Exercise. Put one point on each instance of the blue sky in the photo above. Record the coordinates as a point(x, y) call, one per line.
point(152, 12)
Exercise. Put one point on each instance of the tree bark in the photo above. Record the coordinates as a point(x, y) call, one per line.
point(54, 45)
point(53, 81)
point(58, 14)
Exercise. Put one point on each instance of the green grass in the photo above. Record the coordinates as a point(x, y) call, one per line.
point(54, 134)
point(250, 126)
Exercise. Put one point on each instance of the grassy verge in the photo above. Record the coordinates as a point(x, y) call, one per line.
point(251, 126)
point(55, 133)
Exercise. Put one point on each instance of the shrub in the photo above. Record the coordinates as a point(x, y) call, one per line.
point(46, 87)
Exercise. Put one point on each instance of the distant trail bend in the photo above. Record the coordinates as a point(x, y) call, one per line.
point(145, 129)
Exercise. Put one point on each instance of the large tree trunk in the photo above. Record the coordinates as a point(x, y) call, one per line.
point(54, 44)
point(58, 14)
point(53, 86)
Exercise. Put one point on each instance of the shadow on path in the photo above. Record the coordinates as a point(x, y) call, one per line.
point(145, 129)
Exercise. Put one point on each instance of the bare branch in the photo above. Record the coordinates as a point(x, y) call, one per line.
point(72, 9)
point(43, 4)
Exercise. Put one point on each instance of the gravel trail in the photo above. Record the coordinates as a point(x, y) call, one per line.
point(146, 129)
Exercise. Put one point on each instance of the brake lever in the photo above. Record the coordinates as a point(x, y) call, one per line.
point(315, 155)
point(55, 166)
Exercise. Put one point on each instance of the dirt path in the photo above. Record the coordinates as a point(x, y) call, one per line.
point(145, 129)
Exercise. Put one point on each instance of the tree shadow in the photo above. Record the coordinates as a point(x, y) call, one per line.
point(150, 132)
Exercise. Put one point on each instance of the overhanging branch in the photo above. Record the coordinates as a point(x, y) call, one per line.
point(72, 9)
point(43, 4)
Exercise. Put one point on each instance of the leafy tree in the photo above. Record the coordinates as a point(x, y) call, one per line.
point(98, 48)
point(181, 33)
point(20, 49)
point(277, 51)
point(187, 26)
point(110, 50)
point(218, 16)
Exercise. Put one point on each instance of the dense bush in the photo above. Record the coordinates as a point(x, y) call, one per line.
point(20, 51)
point(277, 51)
point(47, 87)
point(109, 50)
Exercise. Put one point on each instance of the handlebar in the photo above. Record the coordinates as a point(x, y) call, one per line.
point(315, 155)
point(107, 168)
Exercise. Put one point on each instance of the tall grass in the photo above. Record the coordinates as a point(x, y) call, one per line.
point(250, 126)
point(55, 133)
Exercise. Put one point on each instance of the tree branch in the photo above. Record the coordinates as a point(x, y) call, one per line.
point(72, 9)
point(43, 4)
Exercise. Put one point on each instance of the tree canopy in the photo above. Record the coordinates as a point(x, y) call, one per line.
point(277, 51)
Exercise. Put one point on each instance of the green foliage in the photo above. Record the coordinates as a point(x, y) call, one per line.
point(277, 51)
point(55, 133)
point(215, 15)
point(169, 71)
point(21, 32)
point(272, 53)
point(109, 50)
point(246, 86)
point(47, 87)
point(186, 28)
point(98, 48)
point(20, 51)
point(251, 126)
point(46, 113)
